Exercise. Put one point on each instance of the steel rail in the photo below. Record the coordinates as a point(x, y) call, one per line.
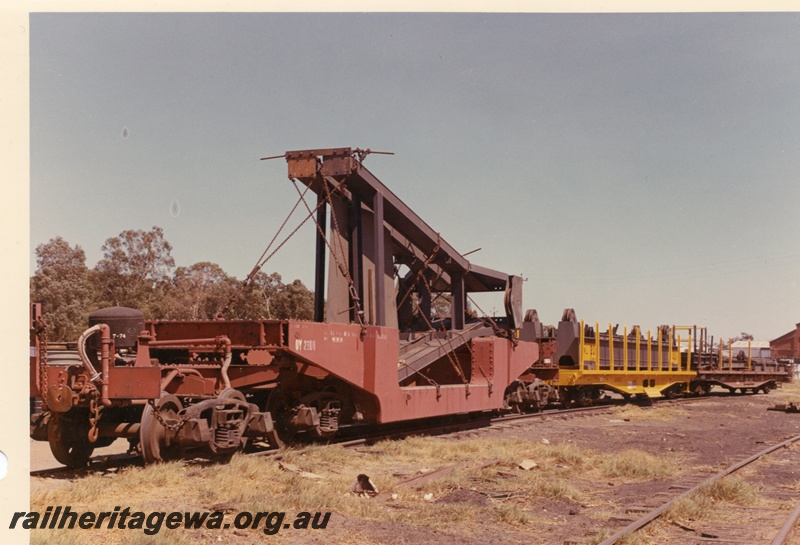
point(650, 517)
point(435, 429)
point(788, 527)
point(118, 460)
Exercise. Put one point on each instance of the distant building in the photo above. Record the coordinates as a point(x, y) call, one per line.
point(758, 349)
point(788, 345)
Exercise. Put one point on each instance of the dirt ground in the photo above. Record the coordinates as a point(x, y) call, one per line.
point(42, 458)
point(698, 438)
point(713, 434)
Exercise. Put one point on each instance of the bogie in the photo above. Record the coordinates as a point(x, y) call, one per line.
point(393, 339)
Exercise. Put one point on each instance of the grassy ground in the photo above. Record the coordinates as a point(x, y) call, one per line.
point(786, 393)
point(710, 500)
point(488, 468)
point(485, 495)
point(634, 412)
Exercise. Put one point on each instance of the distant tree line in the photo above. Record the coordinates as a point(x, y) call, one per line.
point(137, 270)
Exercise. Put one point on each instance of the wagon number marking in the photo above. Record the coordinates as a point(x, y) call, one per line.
point(305, 345)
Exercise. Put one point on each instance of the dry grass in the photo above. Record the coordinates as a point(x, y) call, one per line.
point(633, 464)
point(387, 463)
point(569, 454)
point(598, 537)
point(731, 489)
point(105, 536)
point(692, 507)
point(634, 412)
point(488, 466)
point(786, 393)
point(706, 502)
point(127, 485)
point(512, 514)
point(602, 513)
point(48, 537)
point(652, 534)
point(164, 538)
point(649, 535)
point(635, 538)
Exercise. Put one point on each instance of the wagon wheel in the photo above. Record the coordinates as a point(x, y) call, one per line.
point(318, 400)
point(673, 391)
point(225, 456)
point(69, 440)
point(702, 389)
point(512, 395)
point(585, 396)
point(104, 441)
point(153, 436)
point(279, 406)
point(543, 394)
point(579, 396)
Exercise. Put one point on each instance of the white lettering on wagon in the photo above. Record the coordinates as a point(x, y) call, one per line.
point(308, 345)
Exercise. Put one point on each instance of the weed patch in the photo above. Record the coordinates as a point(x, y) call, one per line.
point(634, 464)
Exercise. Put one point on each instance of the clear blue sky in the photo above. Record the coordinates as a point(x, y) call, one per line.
point(641, 168)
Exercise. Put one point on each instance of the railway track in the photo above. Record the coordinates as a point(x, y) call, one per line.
point(786, 531)
point(685, 432)
point(782, 533)
point(439, 427)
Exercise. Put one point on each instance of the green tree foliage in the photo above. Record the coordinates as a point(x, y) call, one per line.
point(134, 271)
point(441, 306)
point(198, 292)
point(203, 290)
point(294, 301)
point(63, 284)
point(258, 299)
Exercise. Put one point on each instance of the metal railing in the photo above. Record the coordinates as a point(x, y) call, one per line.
point(662, 353)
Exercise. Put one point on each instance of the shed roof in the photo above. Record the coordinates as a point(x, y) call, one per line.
point(753, 344)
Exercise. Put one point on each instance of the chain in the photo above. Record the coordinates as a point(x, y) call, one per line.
point(426, 377)
point(260, 264)
point(489, 381)
point(359, 314)
point(474, 360)
point(41, 332)
point(168, 426)
point(448, 353)
point(500, 332)
point(422, 270)
point(311, 214)
point(94, 412)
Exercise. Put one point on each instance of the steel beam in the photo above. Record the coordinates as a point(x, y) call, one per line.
point(356, 264)
point(380, 251)
point(338, 165)
point(457, 301)
point(319, 263)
